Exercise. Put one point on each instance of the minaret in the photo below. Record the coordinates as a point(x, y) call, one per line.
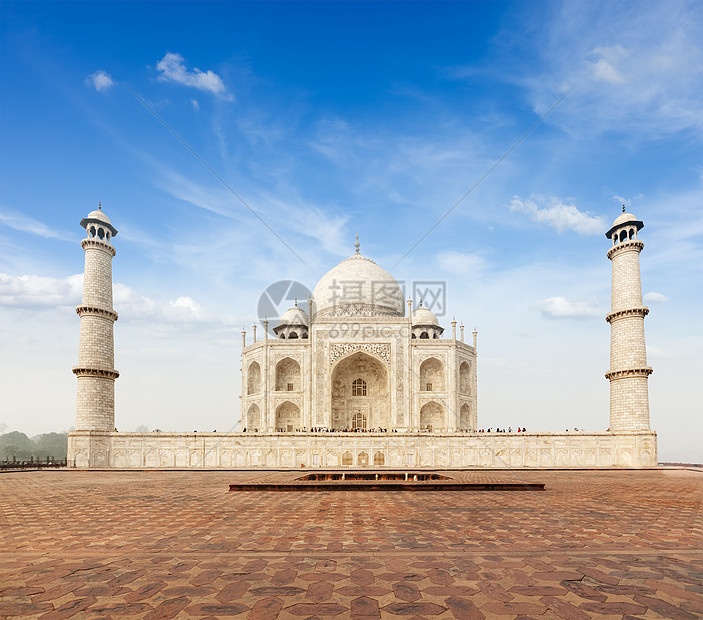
point(628, 374)
point(95, 403)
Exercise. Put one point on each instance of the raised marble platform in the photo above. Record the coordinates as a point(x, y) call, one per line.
point(361, 450)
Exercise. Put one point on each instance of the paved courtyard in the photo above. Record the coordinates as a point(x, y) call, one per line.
point(613, 544)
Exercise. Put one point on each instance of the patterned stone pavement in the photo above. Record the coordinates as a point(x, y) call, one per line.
point(610, 544)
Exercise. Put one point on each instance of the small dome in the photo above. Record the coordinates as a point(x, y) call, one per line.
point(358, 286)
point(423, 316)
point(98, 215)
point(623, 218)
point(294, 316)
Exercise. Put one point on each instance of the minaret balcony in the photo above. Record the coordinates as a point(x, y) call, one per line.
point(642, 311)
point(644, 371)
point(108, 314)
point(95, 372)
point(634, 244)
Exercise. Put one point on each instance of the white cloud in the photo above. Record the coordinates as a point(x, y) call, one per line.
point(562, 308)
point(623, 200)
point(327, 227)
point(100, 80)
point(32, 291)
point(133, 306)
point(461, 263)
point(29, 225)
point(173, 69)
point(42, 292)
point(604, 69)
point(196, 105)
point(655, 298)
point(559, 216)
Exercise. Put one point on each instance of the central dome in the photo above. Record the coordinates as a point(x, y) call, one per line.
point(357, 287)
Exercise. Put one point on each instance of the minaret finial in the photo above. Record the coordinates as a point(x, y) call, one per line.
point(623, 208)
point(357, 245)
point(100, 205)
point(296, 303)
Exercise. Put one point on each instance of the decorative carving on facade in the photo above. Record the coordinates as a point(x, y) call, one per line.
point(423, 400)
point(346, 310)
point(294, 356)
point(379, 349)
point(425, 356)
point(400, 383)
point(296, 400)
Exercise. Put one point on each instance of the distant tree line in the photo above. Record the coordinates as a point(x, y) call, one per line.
point(16, 446)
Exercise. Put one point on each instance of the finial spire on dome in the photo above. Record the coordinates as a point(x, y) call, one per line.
point(357, 245)
point(623, 208)
point(100, 205)
point(296, 303)
point(420, 302)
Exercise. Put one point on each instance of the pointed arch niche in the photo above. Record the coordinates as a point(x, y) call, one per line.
point(465, 378)
point(253, 418)
point(288, 417)
point(432, 417)
point(254, 378)
point(465, 418)
point(432, 375)
point(287, 375)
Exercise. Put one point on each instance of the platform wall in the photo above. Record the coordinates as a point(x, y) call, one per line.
point(95, 449)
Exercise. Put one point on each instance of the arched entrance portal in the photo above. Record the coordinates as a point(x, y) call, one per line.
point(287, 417)
point(360, 395)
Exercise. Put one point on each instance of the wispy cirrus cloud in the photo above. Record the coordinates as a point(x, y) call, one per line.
point(461, 263)
point(27, 224)
point(100, 81)
point(173, 69)
point(559, 215)
point(633, 68)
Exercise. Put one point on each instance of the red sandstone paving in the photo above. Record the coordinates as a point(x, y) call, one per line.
point(610, 544)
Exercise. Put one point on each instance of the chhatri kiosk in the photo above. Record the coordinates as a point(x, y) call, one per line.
point(355, 381)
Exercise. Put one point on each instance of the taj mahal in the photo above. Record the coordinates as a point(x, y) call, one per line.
point(356, 376)
point(357, 361)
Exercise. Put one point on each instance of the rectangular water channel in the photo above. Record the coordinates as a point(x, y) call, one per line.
point(381, 481)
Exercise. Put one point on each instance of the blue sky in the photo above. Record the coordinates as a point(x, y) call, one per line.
point(329, 119)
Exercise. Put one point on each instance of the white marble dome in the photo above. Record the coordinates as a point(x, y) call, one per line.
point(294, 316)
point(624, 218)
point(98, 215)
point(358, 287)
point(425, 317)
